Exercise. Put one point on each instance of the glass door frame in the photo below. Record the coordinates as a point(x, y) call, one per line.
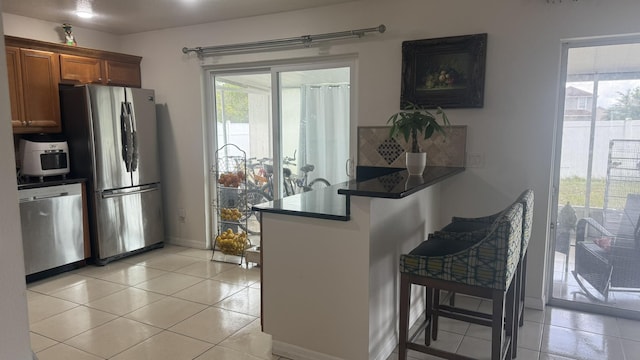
point(555, 175)
point(209, 72)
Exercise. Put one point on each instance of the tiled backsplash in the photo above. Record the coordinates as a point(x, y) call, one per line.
point(375, 148)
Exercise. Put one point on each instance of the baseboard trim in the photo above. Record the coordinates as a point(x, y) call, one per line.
point(534, 303)
point(295, 352)
point(196, 244)
point(387, 349)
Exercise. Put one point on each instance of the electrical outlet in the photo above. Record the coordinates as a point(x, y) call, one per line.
point(475, 160)
point(182, 215)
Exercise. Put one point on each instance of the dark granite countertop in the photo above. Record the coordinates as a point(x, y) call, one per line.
point(332, 203)
point(34, 182)
point(322, 203)
point(399, 184)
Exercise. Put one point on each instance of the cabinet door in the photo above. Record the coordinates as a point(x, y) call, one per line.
point(123, 73)
point(80, 69)
point(40, 75)
point(14, 72)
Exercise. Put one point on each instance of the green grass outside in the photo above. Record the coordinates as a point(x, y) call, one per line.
point(573, 190)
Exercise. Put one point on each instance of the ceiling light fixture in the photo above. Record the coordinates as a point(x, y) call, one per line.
point(84, 9)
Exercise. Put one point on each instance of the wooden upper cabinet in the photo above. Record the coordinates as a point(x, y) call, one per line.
point(90, 70)
point(40, 88)
point(14, 72)
point(123, 73)
point(33, 90)
point(81, 69)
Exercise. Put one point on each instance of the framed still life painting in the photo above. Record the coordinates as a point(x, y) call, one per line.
point(444, 72)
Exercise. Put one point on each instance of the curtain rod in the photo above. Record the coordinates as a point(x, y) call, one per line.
point(305, 40)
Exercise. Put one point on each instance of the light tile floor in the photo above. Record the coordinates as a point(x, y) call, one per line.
point(174, 303)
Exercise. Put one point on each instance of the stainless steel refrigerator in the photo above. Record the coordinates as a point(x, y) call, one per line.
point(112, 136)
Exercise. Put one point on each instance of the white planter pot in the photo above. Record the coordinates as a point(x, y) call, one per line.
point(416, 162)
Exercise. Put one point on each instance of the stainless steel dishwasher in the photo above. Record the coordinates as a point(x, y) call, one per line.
point(52, 226)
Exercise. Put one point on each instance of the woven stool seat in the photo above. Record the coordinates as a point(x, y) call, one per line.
point(461, 225)
point(481, 262)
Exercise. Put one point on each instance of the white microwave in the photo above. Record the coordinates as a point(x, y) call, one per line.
point(43, 158)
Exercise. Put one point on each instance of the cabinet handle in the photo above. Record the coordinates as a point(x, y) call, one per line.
point(29, 122)
point(108, 80)
point(24, 123)
point(99, 79)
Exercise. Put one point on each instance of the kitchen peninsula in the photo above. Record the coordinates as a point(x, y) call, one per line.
point(330, 263)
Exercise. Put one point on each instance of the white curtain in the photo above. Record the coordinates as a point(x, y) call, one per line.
point(324, 130)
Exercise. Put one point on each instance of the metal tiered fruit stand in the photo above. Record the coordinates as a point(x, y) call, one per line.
point(232, 240)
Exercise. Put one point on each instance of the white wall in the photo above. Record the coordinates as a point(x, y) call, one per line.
point(14, 323)
point(513, 132)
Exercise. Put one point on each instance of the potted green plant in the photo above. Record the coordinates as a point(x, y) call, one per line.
point(412, 121)
point(567, 220)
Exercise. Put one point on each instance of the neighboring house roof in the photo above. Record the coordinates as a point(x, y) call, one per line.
point(572, 91)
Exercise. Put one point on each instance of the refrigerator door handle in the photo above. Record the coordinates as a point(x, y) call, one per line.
point(134, 140)
point(134, 190)
point(125, 125)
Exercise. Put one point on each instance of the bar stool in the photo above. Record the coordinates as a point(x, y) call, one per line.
point(465, 225)
point(483, 267)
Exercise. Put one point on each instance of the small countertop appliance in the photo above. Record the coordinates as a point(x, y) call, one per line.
point(43, 156)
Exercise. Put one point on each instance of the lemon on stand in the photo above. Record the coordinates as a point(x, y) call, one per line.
point(230, 214)
point(231, 243)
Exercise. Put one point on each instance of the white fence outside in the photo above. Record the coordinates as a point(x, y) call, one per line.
point(237, 134)
point(575, 145)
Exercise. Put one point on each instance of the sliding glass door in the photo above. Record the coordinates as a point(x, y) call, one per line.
point(597, 202)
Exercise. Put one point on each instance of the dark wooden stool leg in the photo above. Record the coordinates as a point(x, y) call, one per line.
point(429, 315)
point(434, 314)
point(517, 280)
point(405, 298)
point(523, 284)
point(510, 321)
point(496, 325)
